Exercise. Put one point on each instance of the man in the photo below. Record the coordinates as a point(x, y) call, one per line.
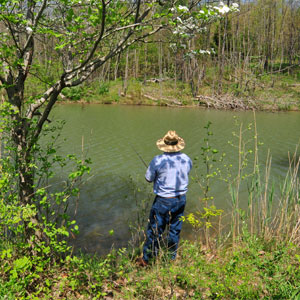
point(169, 174)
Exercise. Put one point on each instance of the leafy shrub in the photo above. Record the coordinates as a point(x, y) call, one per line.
point(74, 93)
point(103, 88)
point(34, 232)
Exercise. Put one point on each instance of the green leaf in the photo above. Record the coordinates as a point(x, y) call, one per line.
point(70, 15)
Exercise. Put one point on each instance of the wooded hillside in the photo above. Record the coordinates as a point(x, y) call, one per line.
point(233, 54)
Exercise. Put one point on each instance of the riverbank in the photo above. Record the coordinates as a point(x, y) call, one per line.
point(282, 95)
point(252, 269)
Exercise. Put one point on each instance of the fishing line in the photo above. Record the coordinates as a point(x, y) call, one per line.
point(130, 144)
point(140, 157)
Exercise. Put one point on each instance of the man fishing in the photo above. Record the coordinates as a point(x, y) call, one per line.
point(169, 174)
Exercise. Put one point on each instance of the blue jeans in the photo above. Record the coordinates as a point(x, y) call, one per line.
point(164, 211)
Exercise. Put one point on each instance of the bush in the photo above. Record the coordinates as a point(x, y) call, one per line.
point(74, 93)
point(103, 88)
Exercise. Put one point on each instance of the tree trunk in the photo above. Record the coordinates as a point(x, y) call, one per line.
point(24, 161)
point(125, 83)
point(222, 44)
point(117, 66)
point(146, 62)
point(160, 68)
point(136, 60)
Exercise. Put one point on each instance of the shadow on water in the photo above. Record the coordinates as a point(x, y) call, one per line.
point(107, 206)
point(288, 162)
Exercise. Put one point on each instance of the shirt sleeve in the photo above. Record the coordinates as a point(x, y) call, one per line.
point(151, 172)
point(191, 164)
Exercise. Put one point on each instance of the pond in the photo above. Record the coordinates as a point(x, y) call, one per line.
point(114, 136)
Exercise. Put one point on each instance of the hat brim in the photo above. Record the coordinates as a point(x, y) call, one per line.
point(170, 148)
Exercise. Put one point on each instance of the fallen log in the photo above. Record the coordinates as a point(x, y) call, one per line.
point(150, 97)
point(171, 101)
point(225, 102)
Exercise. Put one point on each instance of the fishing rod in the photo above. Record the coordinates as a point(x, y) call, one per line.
point(140, 157)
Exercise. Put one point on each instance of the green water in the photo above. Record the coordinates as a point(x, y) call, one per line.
point(110, 135)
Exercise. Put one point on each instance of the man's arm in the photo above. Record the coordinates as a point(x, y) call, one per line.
point(151, 172)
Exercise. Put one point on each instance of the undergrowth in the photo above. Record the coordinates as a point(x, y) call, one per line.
point(253, 269)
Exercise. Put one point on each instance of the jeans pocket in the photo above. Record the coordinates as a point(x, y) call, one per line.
point(180, 206)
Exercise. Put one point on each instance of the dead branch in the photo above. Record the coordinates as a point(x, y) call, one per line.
point(225, 102)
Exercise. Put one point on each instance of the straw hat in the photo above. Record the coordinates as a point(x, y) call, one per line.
point(171, 142)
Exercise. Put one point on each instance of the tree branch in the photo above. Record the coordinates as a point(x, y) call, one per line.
point(12, 32)
point(92, 52)
point(34, 24)
point(102, 36)
point(2, 79)
point(53, 98)
point(35, 106)
point(91, 67)
point(137, 11)
point(39, 14)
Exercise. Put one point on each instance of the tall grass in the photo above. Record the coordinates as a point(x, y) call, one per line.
point(273, 210)
point(270, 208)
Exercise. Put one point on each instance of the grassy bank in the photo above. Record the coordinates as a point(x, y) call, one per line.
point(253, 269)
point(269, 92)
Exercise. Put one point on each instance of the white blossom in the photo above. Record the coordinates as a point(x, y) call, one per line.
point(183, 8)
point(179, 20)
point(187, 26)
point(235, 7)
point(29, 30)
point(193, 53)
point(225, 9)
point(204, 51)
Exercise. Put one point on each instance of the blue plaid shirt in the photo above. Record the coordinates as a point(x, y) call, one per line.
point(169, 174)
